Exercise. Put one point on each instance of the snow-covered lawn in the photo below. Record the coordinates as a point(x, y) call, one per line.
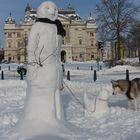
point(118, 124)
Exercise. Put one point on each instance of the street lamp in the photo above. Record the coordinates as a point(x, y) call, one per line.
point(25, 47)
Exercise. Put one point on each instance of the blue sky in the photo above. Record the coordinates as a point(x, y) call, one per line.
point(17, 7)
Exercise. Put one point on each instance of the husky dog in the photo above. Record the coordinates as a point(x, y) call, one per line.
point(129, 88)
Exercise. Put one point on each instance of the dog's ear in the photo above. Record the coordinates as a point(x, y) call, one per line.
point(114, 83)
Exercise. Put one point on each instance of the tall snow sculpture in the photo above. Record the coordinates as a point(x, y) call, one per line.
point(43, 106)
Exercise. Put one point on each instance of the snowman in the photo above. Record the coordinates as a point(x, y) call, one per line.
point(43, 108)
point(98, 107)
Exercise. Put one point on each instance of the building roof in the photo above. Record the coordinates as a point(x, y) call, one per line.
point(90, 19)
point(67, 10)
point(10, 19)
point(27, 8)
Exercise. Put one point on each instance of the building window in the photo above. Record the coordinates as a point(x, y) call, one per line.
point(9, 57)
point(18, 34)
point(9, 44)
point(91, 34)
point(92, 56)
point(18, 58)
point(18, 44)
point(80, 41)
point(9, 35)
point(81, 55)
point(91, 43)
point(63, 41)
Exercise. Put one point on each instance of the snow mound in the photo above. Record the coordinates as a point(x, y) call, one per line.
point(120, 68)
point(47, 137)
point(123, 68)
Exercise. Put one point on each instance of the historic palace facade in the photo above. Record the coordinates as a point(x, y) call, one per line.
point(79, 44)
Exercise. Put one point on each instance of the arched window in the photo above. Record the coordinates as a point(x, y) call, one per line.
point(9, 44)
point(91, 43)
point(80, 41)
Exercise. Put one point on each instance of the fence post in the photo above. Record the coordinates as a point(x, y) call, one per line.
point(68, 75)
point(91, 67)
point(21, 75)
point(9, 68)
point(2, 75)
point(95, 75)
point(127, 75)
point(100, 67)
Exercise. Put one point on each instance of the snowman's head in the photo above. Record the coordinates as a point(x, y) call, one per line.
point(47, 10)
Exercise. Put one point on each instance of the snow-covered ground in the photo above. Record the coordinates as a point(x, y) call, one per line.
point(118, 124)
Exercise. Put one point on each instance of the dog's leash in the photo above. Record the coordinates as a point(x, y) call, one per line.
point(84, 107)
point(72, 93)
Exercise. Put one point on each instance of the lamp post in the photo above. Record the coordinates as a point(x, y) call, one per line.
point(25, 47)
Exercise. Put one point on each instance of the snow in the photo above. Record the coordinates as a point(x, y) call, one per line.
point(121, 68)
point(36, 108)
point(117, 123)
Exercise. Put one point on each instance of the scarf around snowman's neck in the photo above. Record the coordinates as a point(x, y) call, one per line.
point(60, 30)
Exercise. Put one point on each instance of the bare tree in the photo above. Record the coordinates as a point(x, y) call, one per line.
point(134, 38)
point(114, 18)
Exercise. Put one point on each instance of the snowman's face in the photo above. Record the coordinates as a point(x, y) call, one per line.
point(47, 10)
